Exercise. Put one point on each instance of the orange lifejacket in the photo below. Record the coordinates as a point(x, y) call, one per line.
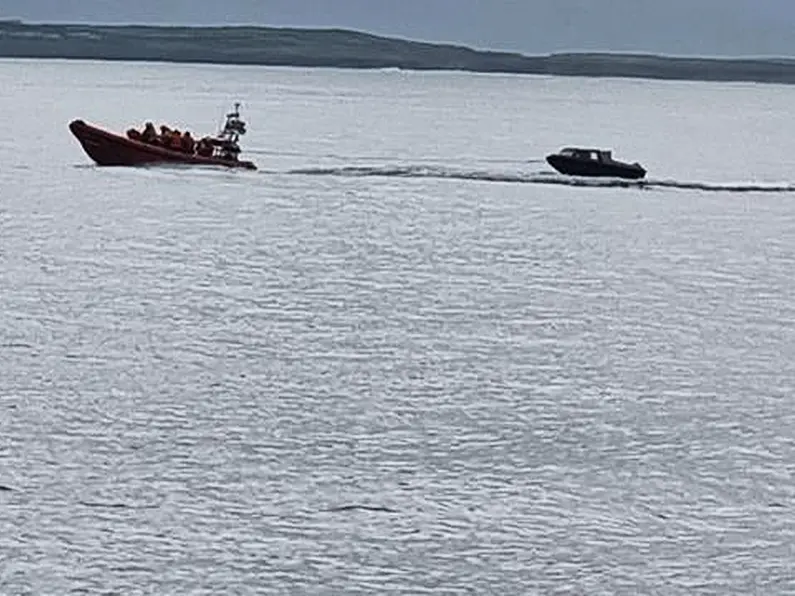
point(175, 142)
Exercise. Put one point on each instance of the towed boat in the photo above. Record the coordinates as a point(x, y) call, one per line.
point(575, 161)
point(110, 149)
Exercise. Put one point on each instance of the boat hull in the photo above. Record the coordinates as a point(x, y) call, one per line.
point(108, 149)
point(579, 167)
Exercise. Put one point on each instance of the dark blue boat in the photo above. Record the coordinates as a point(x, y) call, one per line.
point(575, 161)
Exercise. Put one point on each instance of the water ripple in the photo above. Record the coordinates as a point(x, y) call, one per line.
point(354, 382)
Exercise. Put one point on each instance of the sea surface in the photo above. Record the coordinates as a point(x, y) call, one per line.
point(404, 356)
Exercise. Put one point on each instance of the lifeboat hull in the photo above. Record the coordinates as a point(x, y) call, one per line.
point(109, 149)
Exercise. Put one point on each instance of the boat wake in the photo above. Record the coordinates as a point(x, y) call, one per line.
point(543, 178)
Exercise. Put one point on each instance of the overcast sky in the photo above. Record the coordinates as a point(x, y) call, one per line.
point(704, 27)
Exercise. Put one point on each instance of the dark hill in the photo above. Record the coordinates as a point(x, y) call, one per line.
point(351, 49)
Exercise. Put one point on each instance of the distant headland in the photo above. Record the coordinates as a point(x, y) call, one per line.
point(339, 48)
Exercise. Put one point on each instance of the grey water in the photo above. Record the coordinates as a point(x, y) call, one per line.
point(403, 357)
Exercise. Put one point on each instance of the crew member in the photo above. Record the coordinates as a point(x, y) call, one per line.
point(150, 134)
point(205, 147)
point(175, 141)
point(187, 142)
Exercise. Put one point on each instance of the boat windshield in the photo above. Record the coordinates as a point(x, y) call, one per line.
point(590, 154)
